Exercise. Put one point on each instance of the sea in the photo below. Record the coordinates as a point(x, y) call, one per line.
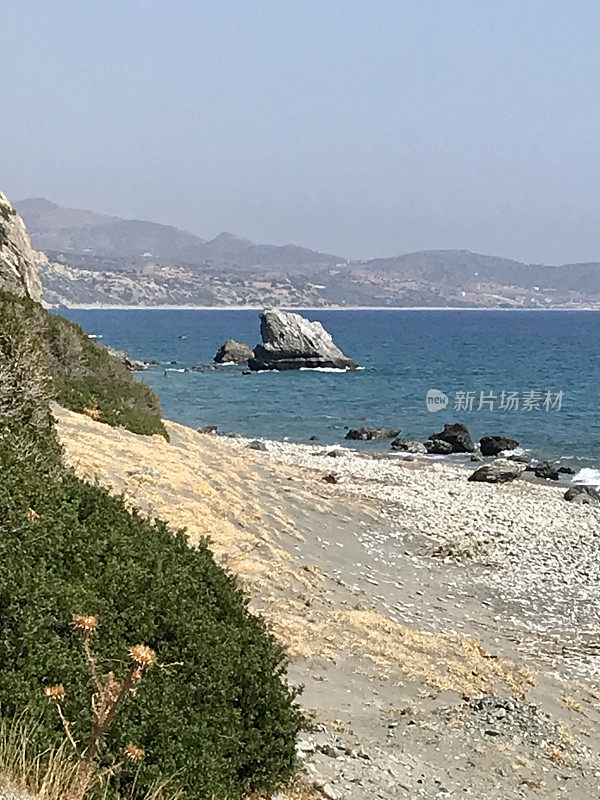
point(530, 375)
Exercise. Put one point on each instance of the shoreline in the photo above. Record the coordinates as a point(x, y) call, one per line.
point(100, 307)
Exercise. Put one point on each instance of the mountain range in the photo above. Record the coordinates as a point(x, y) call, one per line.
point(99, 259)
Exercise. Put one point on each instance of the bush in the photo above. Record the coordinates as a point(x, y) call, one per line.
point(218, 714)
point(27, 437)
point(84, 375)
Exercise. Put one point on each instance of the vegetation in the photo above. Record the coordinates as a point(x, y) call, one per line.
point(109, 694)
point(84, 376)
point(215, 712)
point(47, 775)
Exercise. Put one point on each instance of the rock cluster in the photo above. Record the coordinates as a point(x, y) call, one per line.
point(494, 445)
point(292, 342)
point(367, 432)
point(132, 364)
point(233, 352)
point(499, 471)
point(455, 438)
point(408, 445)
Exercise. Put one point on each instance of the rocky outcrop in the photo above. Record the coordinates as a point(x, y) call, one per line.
point(438, 447)
point(583, 495)
point(132, 364)
point(292, 342)
point(18, 260)
point(457, 436)
point(546, 470)
point(499, 471)
point(233, 352)
point(372, 433)
point(494, 445)
point(408, 445)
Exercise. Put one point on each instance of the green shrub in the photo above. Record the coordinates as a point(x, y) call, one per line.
point(27, 436)
point(84, 375)
point(218, 714)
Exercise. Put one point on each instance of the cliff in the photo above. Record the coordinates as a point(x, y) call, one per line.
point(18, 260)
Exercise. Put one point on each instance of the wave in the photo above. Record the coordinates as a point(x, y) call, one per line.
point(329, 369)
point(587, 477)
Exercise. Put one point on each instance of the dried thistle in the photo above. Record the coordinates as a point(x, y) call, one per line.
point(137, 675)
point(112, 688)
point(55, 694)
point(109, 694)
point(133, 752)
point(142, 656)
point(85, 623)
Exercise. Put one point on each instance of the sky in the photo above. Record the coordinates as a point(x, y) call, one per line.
point(358, 128)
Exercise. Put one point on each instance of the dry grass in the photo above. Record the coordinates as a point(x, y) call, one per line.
point(46, 775)
point(243, 503)
point(26, 773)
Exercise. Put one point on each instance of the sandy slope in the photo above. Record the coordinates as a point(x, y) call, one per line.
point(393, 639)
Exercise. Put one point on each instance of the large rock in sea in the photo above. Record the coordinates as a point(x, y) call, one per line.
point(292, 342)
point(18, 259)
point(494, 445)
point(456, 435)
point(499, 471)
point(233, 352)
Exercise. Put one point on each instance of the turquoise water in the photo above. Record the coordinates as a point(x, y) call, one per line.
point(404, 354)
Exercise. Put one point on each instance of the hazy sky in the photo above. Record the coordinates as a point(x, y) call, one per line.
point(360, 128)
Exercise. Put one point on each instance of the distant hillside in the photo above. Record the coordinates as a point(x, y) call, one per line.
point(461, 266)
point(55, 229)
point(105, 260)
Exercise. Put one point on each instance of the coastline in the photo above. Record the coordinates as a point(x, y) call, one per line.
point(403, 594)
point(100, 307)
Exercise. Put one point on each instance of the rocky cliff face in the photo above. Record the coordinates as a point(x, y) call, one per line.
point(18, 260)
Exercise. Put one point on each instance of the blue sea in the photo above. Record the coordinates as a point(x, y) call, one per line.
point(532, 375)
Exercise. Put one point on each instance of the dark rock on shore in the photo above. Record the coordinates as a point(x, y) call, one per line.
point(292, 342)
point(257, 445)
point(499, 471)
point(566, 470)
point(584, 495)
point(520, 458)
point(457, 436)
point(367, 432)
point(212, 429)
point(494, 445)
point(408, 445)
point(546, 470)
point(233, 352)
point(438, 447)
